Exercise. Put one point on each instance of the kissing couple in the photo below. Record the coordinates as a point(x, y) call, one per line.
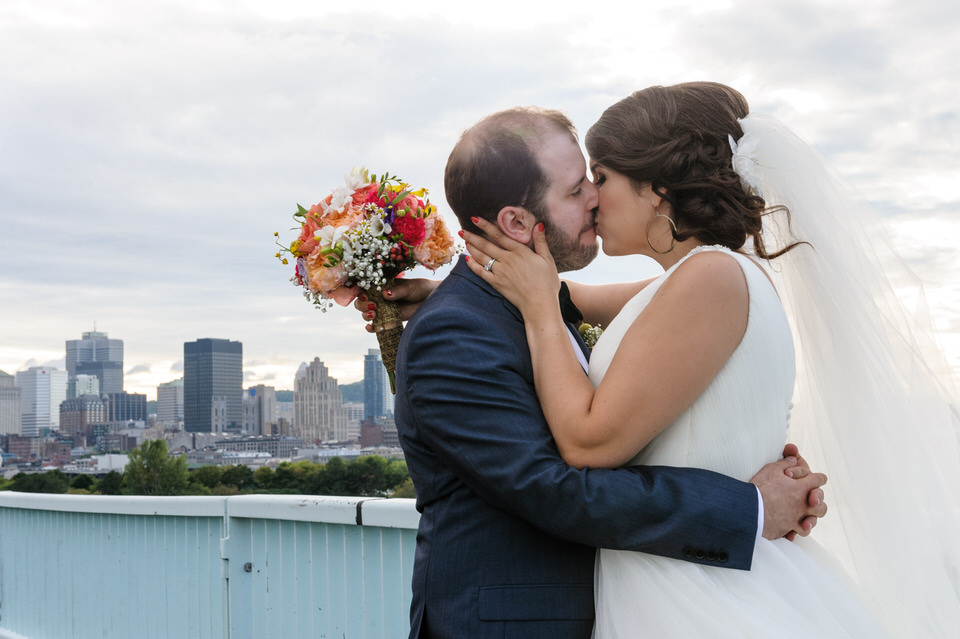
point(646, 489)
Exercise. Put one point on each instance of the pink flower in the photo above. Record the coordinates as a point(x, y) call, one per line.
point(365, 195)
point(343, 295)
point(306, 243)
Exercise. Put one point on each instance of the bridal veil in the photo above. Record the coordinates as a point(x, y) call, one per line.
point(874, 405)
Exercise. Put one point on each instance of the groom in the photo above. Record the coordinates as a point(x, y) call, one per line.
point(508, 531)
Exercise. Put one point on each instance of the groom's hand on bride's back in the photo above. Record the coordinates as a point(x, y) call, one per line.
point(792, 496)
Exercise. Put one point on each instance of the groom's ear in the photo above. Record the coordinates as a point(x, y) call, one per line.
point(516, 223)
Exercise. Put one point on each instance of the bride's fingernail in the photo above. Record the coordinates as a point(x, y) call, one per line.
point(371, 306)
point(466, 257)
point(460, 233)
point(387, 293)
point(474, 219)
point(540, 227)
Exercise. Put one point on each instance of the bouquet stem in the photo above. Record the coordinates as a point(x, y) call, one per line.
point(388, 327)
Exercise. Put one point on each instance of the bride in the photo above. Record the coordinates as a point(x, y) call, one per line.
point(700, 368)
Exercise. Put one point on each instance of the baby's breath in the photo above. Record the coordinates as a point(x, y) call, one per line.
point(368, 246)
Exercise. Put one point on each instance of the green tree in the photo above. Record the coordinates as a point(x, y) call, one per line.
point(395, 474)
point(263, 479)
point(53, 481)
point(151, 471)
point(405, 490)
point(335, 479)
point(83, 482)
point(367, 476)
point(110, 484)
point(239, 476)
point(209, 476)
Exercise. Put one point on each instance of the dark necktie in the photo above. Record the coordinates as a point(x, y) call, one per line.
point(571, 314)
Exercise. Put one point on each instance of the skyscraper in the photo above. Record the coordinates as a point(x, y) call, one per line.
point(123, 407)
point(260, 412)
point(9, 405)
point(170, 403)
point(318, 413)
point(42, 389)
point(212, 385)
point(377, 398)
point(95, 354)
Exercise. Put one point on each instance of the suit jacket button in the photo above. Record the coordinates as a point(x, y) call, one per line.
point(688, 552)
point(712, 556)
point(700, 554)
point(723, 557)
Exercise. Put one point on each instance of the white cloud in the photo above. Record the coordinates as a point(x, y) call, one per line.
point(153, 149)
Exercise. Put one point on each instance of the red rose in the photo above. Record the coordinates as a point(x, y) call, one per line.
point(410, 228)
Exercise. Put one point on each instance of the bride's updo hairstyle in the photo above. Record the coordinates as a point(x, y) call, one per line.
point(676, 139)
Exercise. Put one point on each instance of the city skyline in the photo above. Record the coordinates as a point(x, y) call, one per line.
point(152, 151)
point(177, 374)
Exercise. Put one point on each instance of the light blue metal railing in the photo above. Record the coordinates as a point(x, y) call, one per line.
point(251, 566)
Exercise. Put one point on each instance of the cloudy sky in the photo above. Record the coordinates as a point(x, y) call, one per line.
point(149, 150)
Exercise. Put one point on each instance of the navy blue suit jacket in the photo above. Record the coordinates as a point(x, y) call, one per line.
point(508, 531)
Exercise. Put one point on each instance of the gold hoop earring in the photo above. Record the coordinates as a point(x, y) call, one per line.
point(673, 232)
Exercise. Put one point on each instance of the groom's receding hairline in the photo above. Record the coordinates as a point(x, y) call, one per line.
point(531, 124)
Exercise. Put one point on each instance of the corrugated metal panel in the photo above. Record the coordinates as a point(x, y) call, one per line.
point(192, 570)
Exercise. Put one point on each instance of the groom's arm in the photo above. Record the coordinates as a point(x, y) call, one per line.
point(470, 385)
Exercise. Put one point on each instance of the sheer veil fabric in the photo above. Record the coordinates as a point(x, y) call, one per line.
point(875, 404)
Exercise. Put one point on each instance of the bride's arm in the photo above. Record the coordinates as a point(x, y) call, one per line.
point(664, 362)
point(600, 303)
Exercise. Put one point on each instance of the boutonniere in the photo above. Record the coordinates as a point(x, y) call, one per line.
point(590, 334)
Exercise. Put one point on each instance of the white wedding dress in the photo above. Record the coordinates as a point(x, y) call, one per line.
point(735, 427)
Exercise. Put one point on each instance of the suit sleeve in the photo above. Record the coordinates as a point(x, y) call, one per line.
point(470, 387)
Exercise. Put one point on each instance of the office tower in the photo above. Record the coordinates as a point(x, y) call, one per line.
point(212, 385)
point(95, 354)
point(84, 385)
point(260, 410)
point(42, 388)
point(318, 413)
point(377, 398)
point(125, 407)
point(9, 405)
point(170, 403)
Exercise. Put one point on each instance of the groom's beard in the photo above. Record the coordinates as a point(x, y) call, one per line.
point(568, 253)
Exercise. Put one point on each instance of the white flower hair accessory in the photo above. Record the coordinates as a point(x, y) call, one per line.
point(745, 162)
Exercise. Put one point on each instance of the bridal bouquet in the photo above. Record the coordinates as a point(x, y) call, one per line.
point(361, 237)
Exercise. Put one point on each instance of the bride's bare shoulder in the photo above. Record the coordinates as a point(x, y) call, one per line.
point(712, 276)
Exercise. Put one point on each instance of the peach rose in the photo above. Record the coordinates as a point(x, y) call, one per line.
point(349, 217)
point(322, 278)
point(437, 247)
